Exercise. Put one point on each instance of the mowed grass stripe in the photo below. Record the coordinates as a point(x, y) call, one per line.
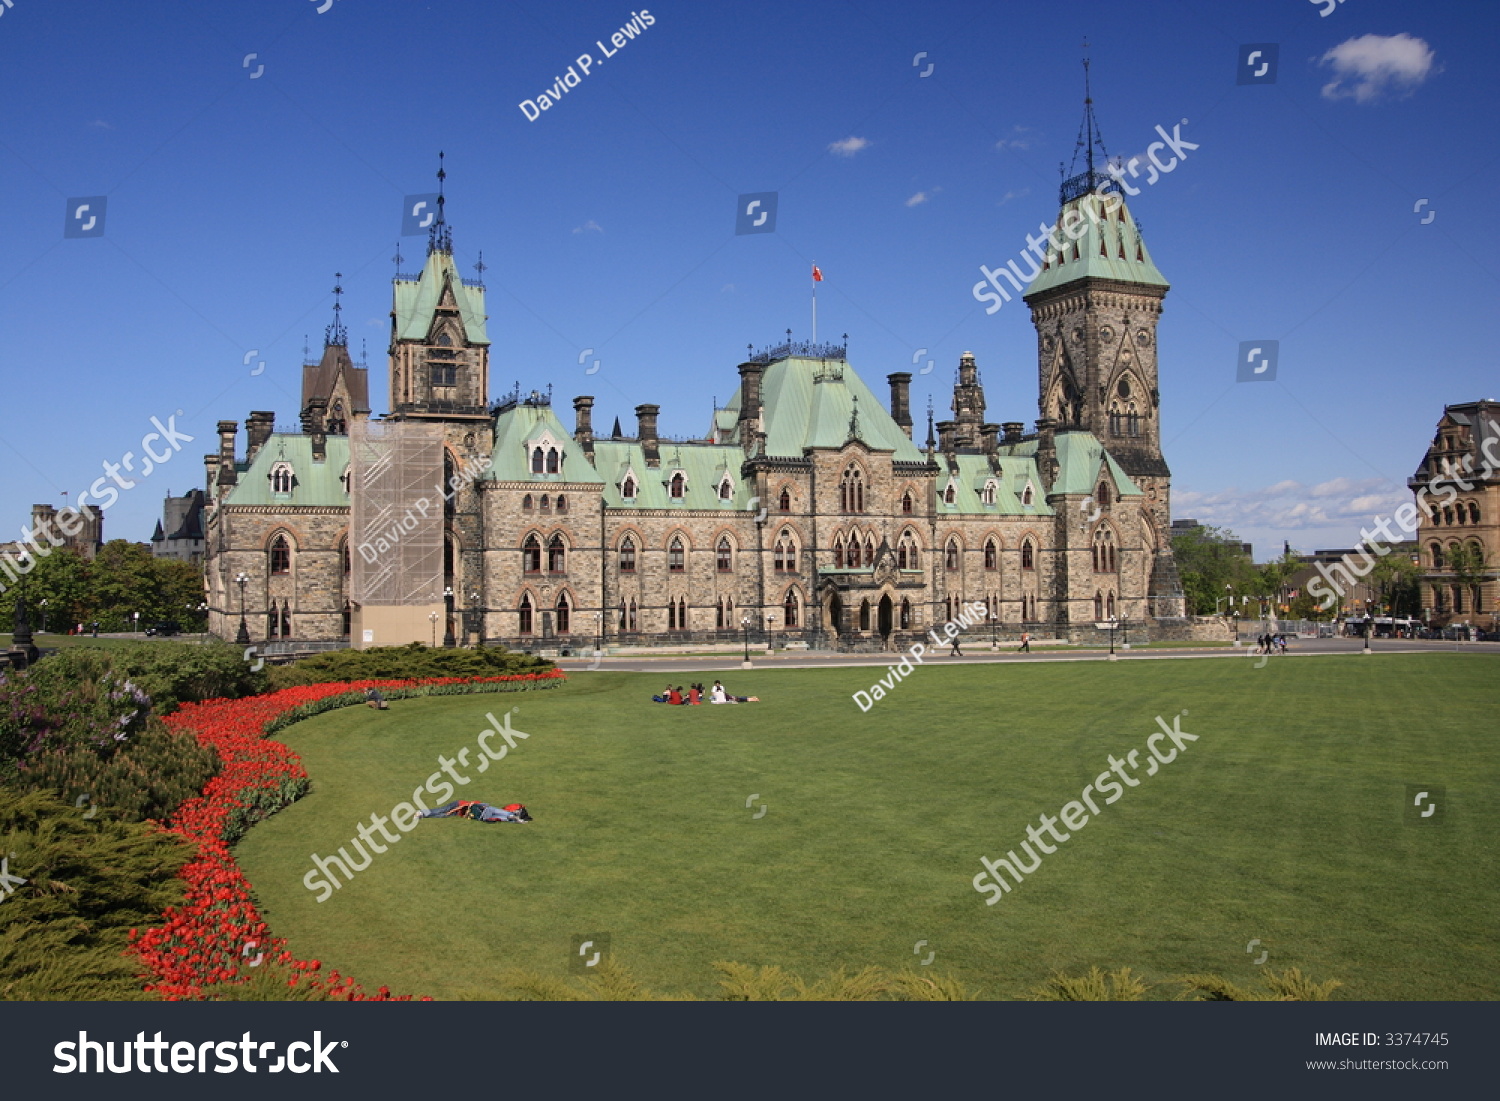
point(1282, 823)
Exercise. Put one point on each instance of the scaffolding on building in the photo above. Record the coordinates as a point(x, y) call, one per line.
point(396, 513)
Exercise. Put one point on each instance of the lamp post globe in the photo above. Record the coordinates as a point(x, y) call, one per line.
point(243, 635)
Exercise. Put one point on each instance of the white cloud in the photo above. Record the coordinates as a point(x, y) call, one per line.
point(589, 226)
point(1015, 141)
point(922, 196)
point(100, 124)
point(849, 146)
point(1290, 506)
point(1368, 67)
point(1009, 195)
point(727, 288)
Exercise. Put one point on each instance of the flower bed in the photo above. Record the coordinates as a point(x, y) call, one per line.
point(203, 942)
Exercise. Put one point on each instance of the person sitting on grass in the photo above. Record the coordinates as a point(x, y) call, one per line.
point(695, 694)
point(480, 812)
point(376, 700)
point(674, 695)
point(665, 692)
point(721, 695)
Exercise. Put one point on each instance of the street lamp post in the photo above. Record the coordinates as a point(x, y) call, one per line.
point(598, 634)
point(136, 616)
point(1112, 622)
point(1369, 627)
point(42, 604)
point(745, 624)
point(432, 617)
point(448, 639)
point(770, 618)
point(243, 636)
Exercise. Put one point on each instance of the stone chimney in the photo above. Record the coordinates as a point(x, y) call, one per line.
point(901, 399)
point(258, 428)
point(1013, 431)
point(987, 437)
point(315, 424)
point(1046, 452)
point(750, 376)
point(227, 476)
point(583, 411)
point(945, 430)
point(646, 419)
point(210, 472)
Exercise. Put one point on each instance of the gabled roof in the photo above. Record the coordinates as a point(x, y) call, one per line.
point(313, 484)
point(515, 428)
point(415, 301)
point(320, 379)
point(1080, 459)
point(1111, 247)
point(809, 403)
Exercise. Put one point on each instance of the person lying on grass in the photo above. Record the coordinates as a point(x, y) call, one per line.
point(480, 812)
point(376, 700)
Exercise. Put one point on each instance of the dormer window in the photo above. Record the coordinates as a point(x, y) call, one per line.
point(1027, 495)
point(552, 460)
point(281, 478)
point(726, 489)
point(537, 458)
point(988, 495)
point(950, 494)
point(544, 454)
point(677, 486)
point(627, 487)
point(344, 479)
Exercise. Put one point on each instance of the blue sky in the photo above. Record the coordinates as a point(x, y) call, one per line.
point(608, 222)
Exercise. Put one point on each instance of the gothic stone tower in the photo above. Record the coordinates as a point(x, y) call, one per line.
point(1095, 305)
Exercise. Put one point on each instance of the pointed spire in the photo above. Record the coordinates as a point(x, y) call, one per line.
point(853, 418)
point(336, 334)
point(398, 259)
point(1090, 137)
point(615, 435)
point(440, 237)
point(480, 267)
point(931, 442)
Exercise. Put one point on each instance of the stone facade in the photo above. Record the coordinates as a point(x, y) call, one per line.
point(1457, 505)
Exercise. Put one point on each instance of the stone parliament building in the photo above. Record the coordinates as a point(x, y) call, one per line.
point(807, 511)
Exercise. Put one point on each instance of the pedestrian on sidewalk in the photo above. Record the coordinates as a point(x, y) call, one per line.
point(1025, 643)
point(955, 652)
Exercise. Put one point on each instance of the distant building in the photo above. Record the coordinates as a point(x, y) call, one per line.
point(1187, 527)
point(1457, 490)
point(179, 533)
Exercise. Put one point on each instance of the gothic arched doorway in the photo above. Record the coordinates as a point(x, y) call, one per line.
point(884, 617)
point(836, 616)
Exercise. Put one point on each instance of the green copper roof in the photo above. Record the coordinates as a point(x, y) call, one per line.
point(1016, 472)
point(1110, 247)
point(516, 432)
point(416, 301)
point(809, 403)
point(703, 468)
point(1080, 458)
point(313, 484)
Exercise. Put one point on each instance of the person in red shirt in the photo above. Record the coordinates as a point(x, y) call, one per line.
point(675, 695)
point(695, 694)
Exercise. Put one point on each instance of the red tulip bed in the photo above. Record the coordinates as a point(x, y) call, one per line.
point(207, 940)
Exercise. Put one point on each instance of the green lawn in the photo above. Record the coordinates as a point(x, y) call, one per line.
point(1283, 823)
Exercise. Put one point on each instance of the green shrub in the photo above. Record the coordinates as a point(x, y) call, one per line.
point(147, 777)
point(171, 673)
point(1096, 986)
point(63, 933)
point(1286, 986)
point(357, 696)
point(404, 663)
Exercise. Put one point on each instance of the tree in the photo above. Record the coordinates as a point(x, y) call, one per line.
point(124, 578)
point(1394, 580)
point(1466, 562)
point(1208, 559)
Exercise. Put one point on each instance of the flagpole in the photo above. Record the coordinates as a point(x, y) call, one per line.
point(815, 307)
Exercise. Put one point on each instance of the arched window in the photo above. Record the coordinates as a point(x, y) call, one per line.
point(525, 616)
point(557, 555)
point(348, 562)
point(950, 494)
point(1027, 496)
point(864, 615)
point(537, 460)
point(1458, 600)
point(1437, 556)
point(1102, 495)
point(906, 503)
point(1473, 513)
point(989, 492)
point(564, 615)
point(531, 555)
point(546, 502)
point(1028, 556)
point(869, 550)
point(627, 489)
point(785, 553)
point(527, 504)
point(622, 615)
point(852, 558)
point(784, 502)
point(724, 556)
point(1104, 551)
point(1098, 605)
point(552, 460)
point(726, 490)
point(950, 555)
point(679, 483)
point(905, 621)
point(991, 555)
point(348, 618)
point(675, 556)
point(562, 503)
point(852, 490)
point(1109, 605)
point(627, 556)
point(790, 608)
point(281, 555)
point(838, 552)
point(281, 478)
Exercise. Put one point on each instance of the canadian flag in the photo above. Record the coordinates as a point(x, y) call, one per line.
point(817, 275)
